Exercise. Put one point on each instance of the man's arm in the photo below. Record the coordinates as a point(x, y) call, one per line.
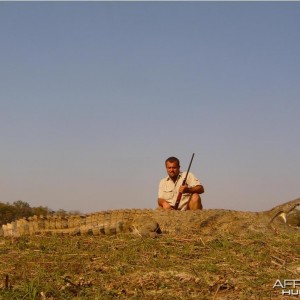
point(163, 203)
point(197, 189)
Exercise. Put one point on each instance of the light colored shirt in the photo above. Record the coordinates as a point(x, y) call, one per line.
point(168, 189)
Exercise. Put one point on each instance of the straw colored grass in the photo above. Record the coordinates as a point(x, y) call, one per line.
point(130, 267)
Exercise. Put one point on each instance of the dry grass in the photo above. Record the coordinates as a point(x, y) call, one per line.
point(130, 267)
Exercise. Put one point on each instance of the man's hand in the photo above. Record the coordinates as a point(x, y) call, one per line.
point(184, 189)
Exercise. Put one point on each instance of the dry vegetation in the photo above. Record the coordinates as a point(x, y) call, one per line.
point(130, 267)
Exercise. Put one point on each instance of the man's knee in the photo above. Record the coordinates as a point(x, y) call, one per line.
point(195, 202)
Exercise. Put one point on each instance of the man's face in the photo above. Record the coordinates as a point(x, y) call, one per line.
point(173, 169)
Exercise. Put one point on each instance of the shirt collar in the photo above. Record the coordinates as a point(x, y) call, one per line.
point(179, 175)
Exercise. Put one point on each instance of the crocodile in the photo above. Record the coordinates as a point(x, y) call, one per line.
point(148, 222)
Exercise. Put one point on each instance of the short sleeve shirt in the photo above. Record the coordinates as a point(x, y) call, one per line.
point(168, 189)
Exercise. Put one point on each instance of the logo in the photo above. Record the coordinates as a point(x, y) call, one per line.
point(289, 287)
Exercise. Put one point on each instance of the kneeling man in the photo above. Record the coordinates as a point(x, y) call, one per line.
point(170, 186)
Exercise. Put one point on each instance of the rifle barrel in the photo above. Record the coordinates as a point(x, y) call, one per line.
point(183, 183)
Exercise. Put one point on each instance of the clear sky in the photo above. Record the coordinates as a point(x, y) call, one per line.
point(95, 96)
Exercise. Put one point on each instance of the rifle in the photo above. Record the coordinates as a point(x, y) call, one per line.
point(183, 183)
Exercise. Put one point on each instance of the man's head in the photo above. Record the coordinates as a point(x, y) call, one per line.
point(173, 167)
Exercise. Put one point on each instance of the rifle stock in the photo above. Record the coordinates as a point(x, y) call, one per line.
point(183, 183)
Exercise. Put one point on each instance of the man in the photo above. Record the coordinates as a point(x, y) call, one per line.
point(170, 186)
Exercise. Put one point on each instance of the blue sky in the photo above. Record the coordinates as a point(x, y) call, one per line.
point(95, 96)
